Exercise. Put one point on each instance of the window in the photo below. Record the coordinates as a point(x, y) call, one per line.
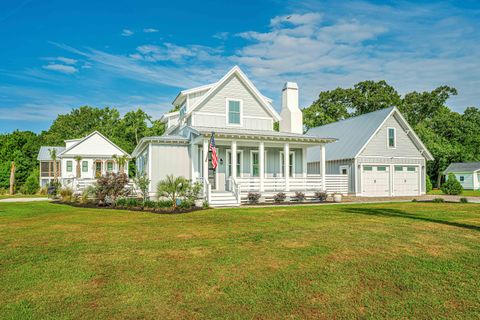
point(367, 168)
point(291, 164)
point(381, 168)
point(234, 112)
point(255, 162)
point(69, 166)
point(411, 168)
point(239, 163)
point(391, 138)
point(398, 168)
point(462, 178)
point(109, 166)
point(84, 166)
point(182, 112)
point(343, 169)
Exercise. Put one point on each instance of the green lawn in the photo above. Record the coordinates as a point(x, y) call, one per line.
point(465, 193)
point(7, 196)
point(404, 260)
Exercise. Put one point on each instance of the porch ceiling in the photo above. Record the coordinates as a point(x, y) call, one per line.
point(261, 135)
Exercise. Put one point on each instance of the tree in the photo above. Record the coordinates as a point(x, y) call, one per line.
point(369, 96)
point(12, 178)
point(110, 186)
point(78, 172)
point(121, 162)
point(143, 183)
point(31, 185)
point(172, 188)
point(452, 186)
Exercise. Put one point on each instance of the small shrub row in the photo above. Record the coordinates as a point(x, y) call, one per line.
point(131, 203)
point(254, 197)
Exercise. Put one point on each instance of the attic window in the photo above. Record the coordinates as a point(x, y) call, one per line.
point(392, 139)
point(234, 111)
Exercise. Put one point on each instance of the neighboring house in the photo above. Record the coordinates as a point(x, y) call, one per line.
point(468, 173)
point(251, 153)
point(97, 155)
point(379, 152)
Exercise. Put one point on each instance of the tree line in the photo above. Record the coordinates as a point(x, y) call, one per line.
point(22, 146)
point(450, 136)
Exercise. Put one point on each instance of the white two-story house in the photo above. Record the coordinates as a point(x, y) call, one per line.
point(253, 157)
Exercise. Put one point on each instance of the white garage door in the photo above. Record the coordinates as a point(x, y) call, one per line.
point(406, 181)
point(376, 181)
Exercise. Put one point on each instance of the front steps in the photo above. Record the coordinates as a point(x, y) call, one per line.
point(223, 199)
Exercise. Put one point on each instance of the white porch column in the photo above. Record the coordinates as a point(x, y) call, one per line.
point(233, 159)
point(322, 166)
point(194, 162)
point(304, 162)
point(261, 164)
point(286, 165)
point(205, 158)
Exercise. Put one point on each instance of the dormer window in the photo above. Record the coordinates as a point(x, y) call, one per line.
point(234, 112)
point(182, 111)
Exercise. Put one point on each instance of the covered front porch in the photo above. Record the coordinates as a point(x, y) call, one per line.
point(257, 163)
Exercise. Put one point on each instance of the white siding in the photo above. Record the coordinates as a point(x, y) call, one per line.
point(467, 182)
point(220, 120)
point(233, 88)
point(378, 145)
point(193, 98)
point(95, 145)
point(166, 160)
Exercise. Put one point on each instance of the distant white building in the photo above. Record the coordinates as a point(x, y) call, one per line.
point(467, 173)
point(95, 154)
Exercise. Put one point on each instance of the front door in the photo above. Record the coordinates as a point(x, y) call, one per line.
point(229, 168)
point(98, 169)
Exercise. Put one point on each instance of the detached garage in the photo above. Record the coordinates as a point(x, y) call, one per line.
point(379, 151)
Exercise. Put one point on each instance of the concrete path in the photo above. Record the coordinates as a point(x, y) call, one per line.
point(24, 199)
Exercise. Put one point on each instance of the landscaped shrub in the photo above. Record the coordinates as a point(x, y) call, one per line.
point(206, 205)
point(173, 188)
point(121, 202)
point(109, 187)
point(133, 202)
point(253, 197)
point(300, 196)
point(164, 203)
point(279, 197)
point(149, 204)
point(428, 184)
point(88, 193)
point(463, 200)
point(3, 191)
point(66, 194)
point(53, 188)
point(42, 191)
point(439, 200)
point(31, 185)
point(143, 184)
point(321, 196)
point(452, 186)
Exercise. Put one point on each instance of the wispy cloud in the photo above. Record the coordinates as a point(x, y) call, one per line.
point(150, 30)
point(66, 60)
point(127, 32)
point(221, 35)
point(60, 68)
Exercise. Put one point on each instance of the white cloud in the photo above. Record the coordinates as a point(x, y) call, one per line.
point(221, 35)
point(127, 32)
point(150, 30)
point(60, 68)
point(66, 60)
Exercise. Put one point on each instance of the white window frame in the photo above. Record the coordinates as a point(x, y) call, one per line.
point(229, 157)
point(264, 163)
point(292, 164)
point(394, 138)
point(227, 110)
point(71, 165)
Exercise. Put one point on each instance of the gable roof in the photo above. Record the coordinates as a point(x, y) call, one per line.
point(44, 153)
point(236, 71)
point(355, 133)
point(462, 167)
point(88, 137)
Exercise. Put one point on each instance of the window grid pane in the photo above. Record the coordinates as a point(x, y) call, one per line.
point(234, 112)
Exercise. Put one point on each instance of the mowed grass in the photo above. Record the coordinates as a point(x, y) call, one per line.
point(404, 260)
point(465, 193)
point(7, 196)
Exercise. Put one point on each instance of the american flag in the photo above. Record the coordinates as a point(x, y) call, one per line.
point(214, 152)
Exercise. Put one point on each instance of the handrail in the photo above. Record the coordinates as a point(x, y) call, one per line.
point(236, 189)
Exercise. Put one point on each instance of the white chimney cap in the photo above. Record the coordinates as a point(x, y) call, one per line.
point(290, 85)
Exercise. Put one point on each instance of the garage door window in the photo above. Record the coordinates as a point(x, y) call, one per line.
point(398, 168)
point(382, 168)
point(411, 169)
point(367, 168)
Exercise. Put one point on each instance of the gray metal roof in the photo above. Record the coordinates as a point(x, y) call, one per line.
point(352, 133)
point(263, 134)
point(463, 167)
point(44, 153)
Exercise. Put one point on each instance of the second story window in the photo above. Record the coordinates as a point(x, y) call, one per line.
point(391, 138)
point(234, 111)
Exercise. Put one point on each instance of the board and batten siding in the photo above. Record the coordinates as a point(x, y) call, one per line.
point(334, 167)
point(213, 112)
point(378, 145)
point(168, 159)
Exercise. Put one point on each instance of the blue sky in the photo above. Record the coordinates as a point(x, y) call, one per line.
point(58, 55)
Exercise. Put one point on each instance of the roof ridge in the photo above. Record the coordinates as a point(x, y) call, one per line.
point(356, 117)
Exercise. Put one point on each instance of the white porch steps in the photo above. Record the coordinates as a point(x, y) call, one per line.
point(223, 199)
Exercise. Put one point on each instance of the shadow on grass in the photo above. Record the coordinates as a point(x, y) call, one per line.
point(402, 214)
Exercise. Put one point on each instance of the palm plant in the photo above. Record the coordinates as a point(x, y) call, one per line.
point(53, 156)
point(78, 159)
point(172, 188)
point(121, 161)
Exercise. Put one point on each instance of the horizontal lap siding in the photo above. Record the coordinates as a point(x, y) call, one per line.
point(468, 180)
point(233, 89)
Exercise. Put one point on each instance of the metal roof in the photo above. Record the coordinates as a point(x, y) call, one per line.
point(462, 167)
point(352, 133)
point(249, 133)
point(44, 153)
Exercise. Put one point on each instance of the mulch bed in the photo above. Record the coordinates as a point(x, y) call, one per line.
point(140, 209)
